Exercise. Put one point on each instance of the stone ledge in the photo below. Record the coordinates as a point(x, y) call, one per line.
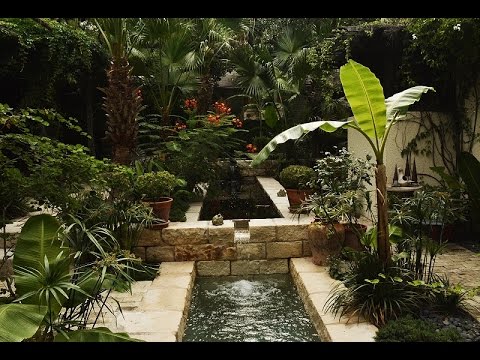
point(314, 285)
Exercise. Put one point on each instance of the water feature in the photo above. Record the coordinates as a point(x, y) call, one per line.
point(238, 198)
point(254, 308)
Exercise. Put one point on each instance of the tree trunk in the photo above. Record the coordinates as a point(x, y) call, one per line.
point(382, 214)
point(122, 104)
point(121, 154)
point(205, 93)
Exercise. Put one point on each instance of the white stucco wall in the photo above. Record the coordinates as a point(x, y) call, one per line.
point(400, 135)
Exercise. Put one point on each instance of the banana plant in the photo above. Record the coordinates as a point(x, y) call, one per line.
point(373, 117)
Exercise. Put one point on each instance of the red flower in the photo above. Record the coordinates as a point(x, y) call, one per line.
point(191, 104)
point(221, 108)
point(251, 148)
point(180, 126)
point(237, 123)
point(214, 119)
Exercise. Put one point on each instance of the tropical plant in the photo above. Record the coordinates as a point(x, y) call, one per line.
point(169, 63)
point(123, 98)
point(297, 177)
point(20, 321)
point(58, 286)
point(272, 78)
point(409, 329)
point(373, 117)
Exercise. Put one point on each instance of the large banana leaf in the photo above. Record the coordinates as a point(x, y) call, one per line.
point(20, 321)
point(469, 168)
point(38, 239)
point(294, 133)
point(397, 105)
point(365, 96)
point(101, 334)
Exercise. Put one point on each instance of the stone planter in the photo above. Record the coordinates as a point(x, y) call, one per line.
point(325, 240)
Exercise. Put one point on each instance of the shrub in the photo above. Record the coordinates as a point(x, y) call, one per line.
point(153, 185)
point(377, 295)
point(447, 297)
point(296, 177)
point(408, 329)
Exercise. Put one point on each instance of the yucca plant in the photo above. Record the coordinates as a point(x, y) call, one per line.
point(123, 98)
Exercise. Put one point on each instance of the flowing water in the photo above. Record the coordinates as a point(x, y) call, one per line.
point(254, 308)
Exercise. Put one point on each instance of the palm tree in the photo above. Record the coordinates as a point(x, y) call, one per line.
point(123, 99)
point(169, 62)
point(272, 78)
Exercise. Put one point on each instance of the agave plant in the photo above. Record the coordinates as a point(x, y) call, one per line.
point(373, 117)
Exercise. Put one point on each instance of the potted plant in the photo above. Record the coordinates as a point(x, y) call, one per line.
point(154, 188)
point(337, 204)
point(297, 180)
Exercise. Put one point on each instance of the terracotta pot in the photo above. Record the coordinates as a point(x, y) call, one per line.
point(296, 197)
point(325, 240)
point(161, 207)
point(353, 232)
point(160, 226)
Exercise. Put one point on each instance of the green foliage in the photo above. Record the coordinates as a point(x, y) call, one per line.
point(408, 329)
point(368, 106)
point(100, 334)
point(449, 298)
point(38, 240)
point(191, 153)
point(48, 55)
point(77, 280)
point(180, 205)
point(153, 185)
point(340, 187)
point(373, 293)
point(445, 51)
point(20, 322)
point(297, 177)
point(42, 161)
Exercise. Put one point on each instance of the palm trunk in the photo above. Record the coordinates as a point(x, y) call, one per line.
point(382, 214)
point(205, 93)
point(122, 104)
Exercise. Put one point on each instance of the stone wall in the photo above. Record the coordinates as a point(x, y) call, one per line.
point(272, 243)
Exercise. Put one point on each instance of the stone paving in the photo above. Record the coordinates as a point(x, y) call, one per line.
point(462, 266)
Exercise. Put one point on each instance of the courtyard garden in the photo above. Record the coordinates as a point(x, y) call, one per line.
point(239, 179)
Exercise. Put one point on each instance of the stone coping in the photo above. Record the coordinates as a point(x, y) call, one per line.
point(155, 311)
point(314, 284)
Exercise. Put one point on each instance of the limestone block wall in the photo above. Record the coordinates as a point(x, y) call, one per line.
point(272, 242)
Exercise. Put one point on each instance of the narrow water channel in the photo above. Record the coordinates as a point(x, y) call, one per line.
point(253, 308)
